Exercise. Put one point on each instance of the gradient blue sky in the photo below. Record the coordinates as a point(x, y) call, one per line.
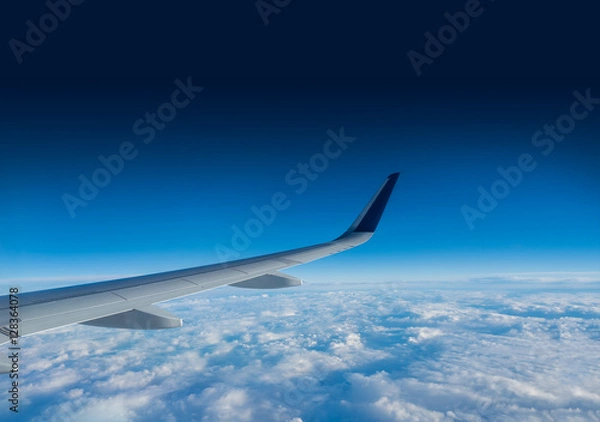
point(270, 95)
point(232, 148)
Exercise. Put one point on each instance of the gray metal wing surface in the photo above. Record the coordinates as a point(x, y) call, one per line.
point(129, 302)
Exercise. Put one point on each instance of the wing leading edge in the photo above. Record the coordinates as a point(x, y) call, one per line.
point(129, 302)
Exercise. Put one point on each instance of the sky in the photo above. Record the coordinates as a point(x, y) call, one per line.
point(247, 96)
point(181, 196)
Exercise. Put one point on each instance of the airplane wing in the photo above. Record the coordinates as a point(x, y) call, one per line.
point(129, 302)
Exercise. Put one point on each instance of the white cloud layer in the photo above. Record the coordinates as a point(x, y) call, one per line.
point(367, 353)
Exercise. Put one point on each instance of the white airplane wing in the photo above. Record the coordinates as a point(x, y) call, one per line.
point(129, 302)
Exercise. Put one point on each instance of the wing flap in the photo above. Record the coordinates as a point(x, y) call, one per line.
point(269, 281)
point(143, 318)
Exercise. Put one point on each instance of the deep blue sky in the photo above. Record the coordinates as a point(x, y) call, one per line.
point(270, 95)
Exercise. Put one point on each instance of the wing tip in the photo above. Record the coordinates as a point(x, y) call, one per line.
point(368, 219)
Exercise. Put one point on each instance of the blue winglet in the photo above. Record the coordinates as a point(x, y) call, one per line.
point(368, 219)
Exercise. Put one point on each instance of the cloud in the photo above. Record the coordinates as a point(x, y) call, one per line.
point(366, 353)
point(224, 404)
point(424, 334)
